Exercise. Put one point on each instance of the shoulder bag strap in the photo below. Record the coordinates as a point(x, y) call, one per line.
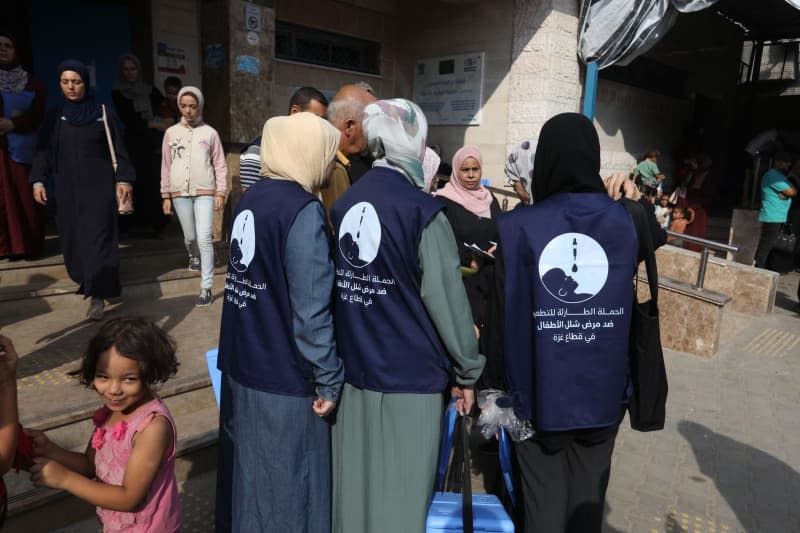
point(466, 482)
point(108, 138)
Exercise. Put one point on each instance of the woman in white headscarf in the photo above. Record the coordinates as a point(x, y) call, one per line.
point(193, 183)
point(281, 374)
point(136, 103)
point(403, 327)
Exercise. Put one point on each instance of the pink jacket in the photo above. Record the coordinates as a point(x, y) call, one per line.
point(192, 162)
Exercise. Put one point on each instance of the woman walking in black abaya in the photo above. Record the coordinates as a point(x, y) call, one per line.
point(73, 148)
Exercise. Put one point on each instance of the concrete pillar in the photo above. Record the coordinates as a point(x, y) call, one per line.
point(545, 71)
point(237, 78)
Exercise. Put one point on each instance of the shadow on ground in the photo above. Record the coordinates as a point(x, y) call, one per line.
point(66, 345)
point(755, 484)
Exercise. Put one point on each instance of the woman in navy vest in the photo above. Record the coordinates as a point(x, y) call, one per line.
point(281, 374)
point(403, 327)
point(21, 112)
point(566, 273)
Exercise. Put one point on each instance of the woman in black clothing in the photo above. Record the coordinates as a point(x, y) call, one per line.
point(73, 148)
point(472, 210)
point(137, 104)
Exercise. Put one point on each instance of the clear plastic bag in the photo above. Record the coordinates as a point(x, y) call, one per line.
point(493, 417)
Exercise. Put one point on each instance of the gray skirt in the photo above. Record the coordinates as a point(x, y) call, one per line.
point(385, 450)
point(273, 470)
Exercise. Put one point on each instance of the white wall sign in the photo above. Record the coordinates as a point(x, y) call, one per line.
point(252, 18)
point(449, 89)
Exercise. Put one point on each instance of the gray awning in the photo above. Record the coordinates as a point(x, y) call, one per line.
point(618, 31)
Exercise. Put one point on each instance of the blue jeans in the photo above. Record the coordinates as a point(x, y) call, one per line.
point(196, 215)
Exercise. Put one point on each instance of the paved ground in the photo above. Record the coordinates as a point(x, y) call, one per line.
point(728, 460)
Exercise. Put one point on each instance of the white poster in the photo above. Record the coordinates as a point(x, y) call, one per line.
point(449, 89)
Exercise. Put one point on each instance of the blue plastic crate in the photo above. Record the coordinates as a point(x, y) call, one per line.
point(489, 516)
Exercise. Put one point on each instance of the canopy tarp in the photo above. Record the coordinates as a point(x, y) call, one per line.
point(618, 31)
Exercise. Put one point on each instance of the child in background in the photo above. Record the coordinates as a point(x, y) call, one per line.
point(681, 217)
point(647, 175)
point(193, 173)
point(169, 105)
point(132, 450)
point(663, 211)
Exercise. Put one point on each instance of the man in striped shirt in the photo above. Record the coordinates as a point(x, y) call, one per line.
point(304, 99)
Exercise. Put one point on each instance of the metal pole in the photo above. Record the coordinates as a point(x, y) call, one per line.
point(701, 272)
point(590, 90)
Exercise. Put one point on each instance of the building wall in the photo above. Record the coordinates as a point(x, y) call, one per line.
point(484, 26)
point(629, 121)
point(371, 20)
point(177, 23)
point(545, 74)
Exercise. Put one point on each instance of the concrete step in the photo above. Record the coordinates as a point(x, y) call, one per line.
point(191, 402)
point(148, 273)
point(45, 319)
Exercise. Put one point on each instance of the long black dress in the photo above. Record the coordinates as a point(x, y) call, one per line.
point(144, 150)
point(84, 184)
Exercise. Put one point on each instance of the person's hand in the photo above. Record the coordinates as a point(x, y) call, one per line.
point(477, 331)
point(8, 362)
point(41, 444)
point(48, 473)
point(522, 193)
point(492, 250)
point(323, 407)
point(124, 191)
point(166, 206)
point(219, 203)
point(40, 194)
point(6, 126)
point(466, 398)
point(619, 184)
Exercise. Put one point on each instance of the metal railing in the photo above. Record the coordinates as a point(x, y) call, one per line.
point(707, 245)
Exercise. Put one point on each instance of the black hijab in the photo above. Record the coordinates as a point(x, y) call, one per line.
point(567, 157)
point(86, 110)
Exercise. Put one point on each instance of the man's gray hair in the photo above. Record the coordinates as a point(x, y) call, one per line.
point(344, 107)
point(366, 86)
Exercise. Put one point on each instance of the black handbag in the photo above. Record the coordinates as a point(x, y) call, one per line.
point(786, 240)
point(647, 407)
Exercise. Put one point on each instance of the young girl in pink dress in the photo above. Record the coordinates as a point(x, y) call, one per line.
point(128, 468)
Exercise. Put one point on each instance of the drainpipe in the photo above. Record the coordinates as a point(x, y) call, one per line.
point(590, 90)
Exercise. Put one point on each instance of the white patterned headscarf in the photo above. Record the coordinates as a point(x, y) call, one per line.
point(430, 165)
point(519, 165)
point(396, 130)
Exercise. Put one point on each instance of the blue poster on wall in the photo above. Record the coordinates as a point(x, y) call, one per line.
point(248, 65)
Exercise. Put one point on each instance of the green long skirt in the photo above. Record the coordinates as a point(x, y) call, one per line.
point(385, 450)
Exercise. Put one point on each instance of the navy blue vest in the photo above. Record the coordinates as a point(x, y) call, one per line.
point(383, 332)
point(256, 345)
point(569, 266)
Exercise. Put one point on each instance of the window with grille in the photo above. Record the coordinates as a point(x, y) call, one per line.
point(317, 47)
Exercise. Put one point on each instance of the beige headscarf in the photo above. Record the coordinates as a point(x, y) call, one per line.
point(299, 148)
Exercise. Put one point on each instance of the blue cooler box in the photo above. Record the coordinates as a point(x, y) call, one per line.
point(489, 516)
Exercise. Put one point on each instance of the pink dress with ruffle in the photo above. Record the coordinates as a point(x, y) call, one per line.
point(161, 511)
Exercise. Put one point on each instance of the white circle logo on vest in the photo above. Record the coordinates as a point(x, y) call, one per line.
point(360, 235)
point(243, 241)
point(573, 267)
